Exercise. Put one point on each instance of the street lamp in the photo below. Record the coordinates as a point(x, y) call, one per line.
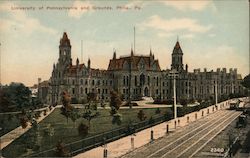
point(216, 90)
point(0, 144)
point(174, 74)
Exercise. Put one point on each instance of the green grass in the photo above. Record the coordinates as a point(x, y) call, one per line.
point(67, 130)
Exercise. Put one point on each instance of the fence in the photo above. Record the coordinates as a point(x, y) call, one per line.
point(103, 138)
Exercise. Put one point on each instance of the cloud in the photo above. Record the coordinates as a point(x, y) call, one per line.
point(211, 35)
point(188, 5)
point(82, 7)
point(188, 36)
point(19, 20)
point(185, 24)
point(218, 57)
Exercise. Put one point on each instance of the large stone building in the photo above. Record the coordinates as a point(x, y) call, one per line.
point(135, 76)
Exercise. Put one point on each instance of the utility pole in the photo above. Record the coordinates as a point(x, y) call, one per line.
point(81, 52)
point(134, 39)
point(174, 74)
point(0, 66)
point(216, 91)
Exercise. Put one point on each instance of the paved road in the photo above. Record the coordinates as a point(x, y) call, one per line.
point(188, 140)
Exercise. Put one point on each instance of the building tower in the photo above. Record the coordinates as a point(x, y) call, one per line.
point(65, 50)
point(177, 60)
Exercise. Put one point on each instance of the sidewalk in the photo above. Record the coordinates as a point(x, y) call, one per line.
point(15, 133)
point(124, 145)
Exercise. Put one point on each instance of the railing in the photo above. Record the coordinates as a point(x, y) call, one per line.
point(102, 138)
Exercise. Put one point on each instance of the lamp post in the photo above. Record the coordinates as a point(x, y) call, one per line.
point(174, 74)
point(0, 144)
point(216, 91)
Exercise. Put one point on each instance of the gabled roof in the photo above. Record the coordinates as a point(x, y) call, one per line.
point(149, 62)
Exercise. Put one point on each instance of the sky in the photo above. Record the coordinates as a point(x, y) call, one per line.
point(212, 34)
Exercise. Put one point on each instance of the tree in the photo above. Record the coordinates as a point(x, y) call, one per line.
point(246, 81)
point(115, 103)
point(115, 100)
point(89, 115)
point(66, 109)
point(14, 94)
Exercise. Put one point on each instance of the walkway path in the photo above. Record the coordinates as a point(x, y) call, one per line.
point(14, 134)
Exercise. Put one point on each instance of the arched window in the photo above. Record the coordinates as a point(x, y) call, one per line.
point(142, 79)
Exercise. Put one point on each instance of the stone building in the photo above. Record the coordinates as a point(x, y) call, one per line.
point(135, 76)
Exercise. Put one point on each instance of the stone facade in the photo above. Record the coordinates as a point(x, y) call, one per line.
point(135, 76)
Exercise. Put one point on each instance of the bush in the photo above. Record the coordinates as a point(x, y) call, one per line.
point(166, 101)
point(141, 115)
point(83, 130)
point(132, 104)
point(24, 121)
point(157, 111)
point(117, 119)
point(61, 150)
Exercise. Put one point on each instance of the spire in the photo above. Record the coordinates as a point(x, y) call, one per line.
point(177, 45)
point(132, 52)
point(150, 51)
point(65, 40)
point(114, 55)
point(54, 66)
point(77, 61)
point(89, 63)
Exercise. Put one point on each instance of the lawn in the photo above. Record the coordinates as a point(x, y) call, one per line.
point(66, 130)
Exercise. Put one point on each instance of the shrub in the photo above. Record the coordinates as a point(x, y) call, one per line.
point(83, 130)
point(61, 150)
point(157, 111)
point(141, 115)
point(24, 121)
point(117, 119)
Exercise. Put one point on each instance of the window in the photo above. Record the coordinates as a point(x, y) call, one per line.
point(124, 80)
point(73, 90)
point(81, 90)
point(81, 81)
point(127, 81)
point(86, 90)
point(73, 82)
point(135, 80)
point(86, 82)
point(93, 82)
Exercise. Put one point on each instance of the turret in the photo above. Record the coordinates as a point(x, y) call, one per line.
point(177, 61)
point(77, 62)
point(64, 50)
point(114, 55)
point(89, 63)
point(186, 67)
point(132, 52)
